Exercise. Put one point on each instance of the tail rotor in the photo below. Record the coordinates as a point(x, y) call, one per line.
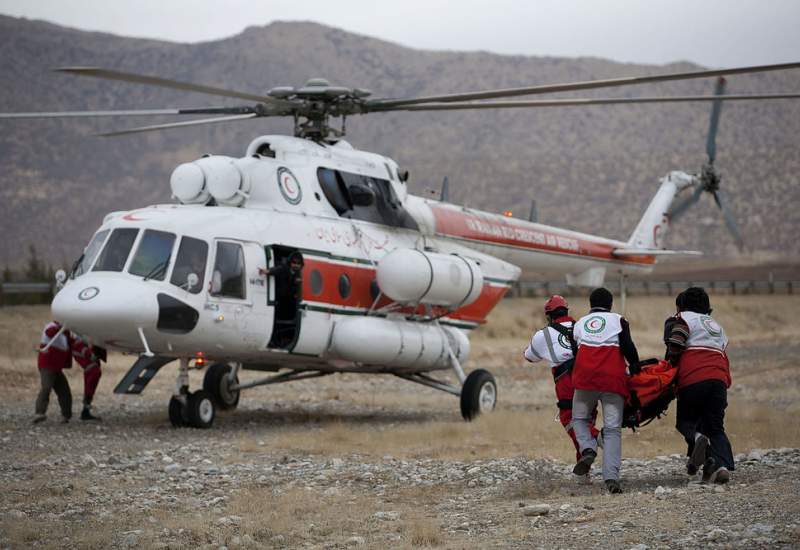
point(709, 180)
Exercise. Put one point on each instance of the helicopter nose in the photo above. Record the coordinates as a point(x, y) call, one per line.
point(106, 307)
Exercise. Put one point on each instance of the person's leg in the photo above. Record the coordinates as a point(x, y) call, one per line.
point(91, 378)
point(690, 405)
point(613, 405)
point(583, 402)
point(565, 417)
point(43, 398)
point(713, 424)
point(593, 428)
point(61, 387)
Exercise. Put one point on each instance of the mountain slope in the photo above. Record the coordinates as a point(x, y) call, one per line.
point(592, 169)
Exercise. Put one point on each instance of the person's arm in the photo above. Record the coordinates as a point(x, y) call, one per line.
point(626, 345)
point(530, 355)
point(676, 341)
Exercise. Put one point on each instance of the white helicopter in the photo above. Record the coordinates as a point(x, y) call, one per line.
point(306, 257)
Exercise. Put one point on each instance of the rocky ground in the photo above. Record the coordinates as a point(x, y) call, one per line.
point(79, 485)
point(372, 462)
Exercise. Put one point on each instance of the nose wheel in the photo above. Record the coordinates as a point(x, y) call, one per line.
point(195, 410)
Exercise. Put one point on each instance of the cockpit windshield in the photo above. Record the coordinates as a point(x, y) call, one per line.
point(192, 256)
point(115, 253)
point(152, 255)
point(85, 261)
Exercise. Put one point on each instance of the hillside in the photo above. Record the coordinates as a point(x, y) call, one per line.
point(592, 169)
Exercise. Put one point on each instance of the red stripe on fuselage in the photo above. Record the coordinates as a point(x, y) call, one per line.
point(360, 281)
point(497, 229)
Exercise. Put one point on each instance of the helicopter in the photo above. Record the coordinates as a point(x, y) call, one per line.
point(307, 257)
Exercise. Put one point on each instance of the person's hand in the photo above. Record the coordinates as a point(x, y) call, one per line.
point(634, 369)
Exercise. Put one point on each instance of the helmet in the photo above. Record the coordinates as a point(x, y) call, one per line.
point(554, 303)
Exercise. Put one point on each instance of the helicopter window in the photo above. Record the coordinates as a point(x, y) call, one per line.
point(344, 286)
point(316, 282)
point(228, 278)
point(192, 256)
point(115, 253)
point(90, 254)
point(334, 189)
point(152, 255)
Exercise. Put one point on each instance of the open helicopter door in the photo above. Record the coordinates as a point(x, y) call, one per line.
point(285, 284)
point(298, 328)
point(238, 296)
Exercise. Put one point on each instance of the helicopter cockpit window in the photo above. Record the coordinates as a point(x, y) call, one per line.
point(340, 188)
point(89, 255)
point(115, 252)
point(192, 256)
point(334, 189)
point(152, 255)
point(228, 278)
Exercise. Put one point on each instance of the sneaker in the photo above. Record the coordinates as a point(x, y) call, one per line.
point(720, 475)
point(708, 470)
point(39, 418)
point(691, 469)
point(698, 456)
point(582, 466)
point(86, 414)
point(613, 486)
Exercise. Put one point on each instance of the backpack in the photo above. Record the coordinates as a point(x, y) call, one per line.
point(649, 393)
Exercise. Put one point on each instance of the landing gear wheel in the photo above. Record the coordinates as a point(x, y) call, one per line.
point(478, 395)
point(200, 411)
point(217, 383)
point(176, 412)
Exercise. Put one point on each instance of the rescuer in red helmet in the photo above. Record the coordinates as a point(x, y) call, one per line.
point(89, 358)
point(555, 345)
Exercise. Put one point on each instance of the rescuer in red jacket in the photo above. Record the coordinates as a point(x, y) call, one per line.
point(52, 363)
point(555, 345)
point(88, 357)
point(604, 346)
point(696, 345)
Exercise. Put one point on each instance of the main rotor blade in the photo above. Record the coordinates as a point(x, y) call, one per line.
point(136, 112)
point(571, 87)
point(455, 106)
point(177, 125)
point(108, 74)
point(716, 108)
point(730, 221)
point(678, 209)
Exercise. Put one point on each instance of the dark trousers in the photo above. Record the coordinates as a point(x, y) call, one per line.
point(701, 408)
point(53, 380)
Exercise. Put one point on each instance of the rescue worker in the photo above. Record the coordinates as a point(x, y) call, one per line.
point(554, 344)
point(604, 345)
point(52, 363)
point(89, 358)
point(696, 345)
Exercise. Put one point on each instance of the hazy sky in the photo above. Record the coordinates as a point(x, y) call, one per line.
point(719, 33)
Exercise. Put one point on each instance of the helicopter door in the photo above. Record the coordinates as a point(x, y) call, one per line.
point(285, 295)
point(238, 296)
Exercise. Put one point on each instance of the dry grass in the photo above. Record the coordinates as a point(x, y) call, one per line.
point(376, 416)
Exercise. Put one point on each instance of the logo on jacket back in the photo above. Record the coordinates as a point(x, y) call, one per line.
point(595, 324)
point(711, 325)
point(563, 342)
